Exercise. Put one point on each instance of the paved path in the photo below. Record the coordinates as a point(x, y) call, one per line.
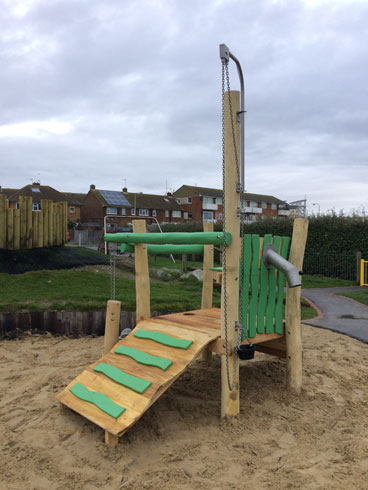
point(339, 313)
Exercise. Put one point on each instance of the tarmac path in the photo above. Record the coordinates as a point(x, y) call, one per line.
point(338, 313)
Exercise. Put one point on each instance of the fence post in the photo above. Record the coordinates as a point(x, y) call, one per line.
point(10, 229)
point(2, 221)
point(28, 222)
point(358, 259)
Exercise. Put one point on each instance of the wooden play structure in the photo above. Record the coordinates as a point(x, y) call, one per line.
point(134, 372)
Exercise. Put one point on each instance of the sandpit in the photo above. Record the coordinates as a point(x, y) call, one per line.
point(316, 441)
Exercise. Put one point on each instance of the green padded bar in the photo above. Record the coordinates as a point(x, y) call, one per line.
point(175, 238)
point(136, 384)
point(143, 358)
point(271, 304)
point(101, 401)
point(263, 290)
point(244, 299)
point(216, 269)
point(279, 325)
point(163, 338)
point(254, 278)
point(165, 249)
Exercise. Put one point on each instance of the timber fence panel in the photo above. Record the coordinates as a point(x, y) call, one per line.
point(10, 229)
point(28, 239)
point(3, 221)
point(23, 220)
point(16, 229)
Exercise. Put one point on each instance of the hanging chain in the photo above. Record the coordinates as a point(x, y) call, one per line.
point(230, 382)
point(112, 276)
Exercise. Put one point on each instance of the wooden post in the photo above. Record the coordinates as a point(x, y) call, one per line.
point(111, 440)
point(51, 223)
point(294, 351)
point(207, 285)
point(40, 237)
point(16, 229)
point(23, 220)
point(45, 210)
point(184, 259)
point(10, 229)
point(35, 229)
point(28, 242)
point(358, 259)
point(2, 221)
point(230, 398)
point(142, 282)
point(111, 325)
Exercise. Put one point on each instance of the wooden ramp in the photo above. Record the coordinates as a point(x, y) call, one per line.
point(200, 327)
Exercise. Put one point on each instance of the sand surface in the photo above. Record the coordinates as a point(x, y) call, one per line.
point(316, 441)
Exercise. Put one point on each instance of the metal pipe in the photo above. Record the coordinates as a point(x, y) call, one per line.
point(272, 258)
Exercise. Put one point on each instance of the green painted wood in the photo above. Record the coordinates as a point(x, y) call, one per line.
point(244, 297)
point(279, 324)
point(263, 290)
point(254, 281)
point(133, 382)
point(165, 249)
point(163, 338)
point(143, 357)
point(271, 303)
point(100, 400)
point(175, 238)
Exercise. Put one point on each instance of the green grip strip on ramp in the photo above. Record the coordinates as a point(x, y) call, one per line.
point(163, 338)
point(101, 401)
point(143, 358)
point(136, 384)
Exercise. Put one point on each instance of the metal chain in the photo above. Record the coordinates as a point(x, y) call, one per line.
point(112, 276)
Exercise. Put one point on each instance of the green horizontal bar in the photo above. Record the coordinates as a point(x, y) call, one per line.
point(216, 269)
point(136, 384)
point(165, 249)
point(101, 401)
point(176, 238)
point(163, 338)
point(143, 358)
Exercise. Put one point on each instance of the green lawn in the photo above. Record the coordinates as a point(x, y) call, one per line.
point(361, 296)
point(156, 262)
point(324, 282)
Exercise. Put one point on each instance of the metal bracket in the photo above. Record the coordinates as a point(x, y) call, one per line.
point(224, 53)
point(238, 114)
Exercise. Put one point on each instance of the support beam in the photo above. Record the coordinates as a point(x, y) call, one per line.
point(175, 238)
point(142, 280)
point(111, 325)
point(207, 285)
point(294, 350)
point(230, 280)
point(111, 440)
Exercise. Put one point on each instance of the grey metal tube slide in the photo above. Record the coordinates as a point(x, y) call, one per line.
point(272, 258)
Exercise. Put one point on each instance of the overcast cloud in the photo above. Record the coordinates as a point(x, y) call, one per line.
point(98, 92)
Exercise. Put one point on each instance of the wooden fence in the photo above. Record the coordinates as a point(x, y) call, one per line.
point(25, 228)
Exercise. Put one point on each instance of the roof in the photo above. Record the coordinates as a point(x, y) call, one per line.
point(112, 198)
point(191, 190)
point(38, 192)
point(8, 192)
point(152, 201)
point(74, 198)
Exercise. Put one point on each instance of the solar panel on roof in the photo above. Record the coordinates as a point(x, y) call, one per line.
point(114, 197)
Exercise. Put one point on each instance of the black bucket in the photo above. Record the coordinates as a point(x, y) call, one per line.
point(246, 352)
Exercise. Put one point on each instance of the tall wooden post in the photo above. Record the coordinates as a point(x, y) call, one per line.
point(207, 285)
point(111, 325)
point(230, 279)
point(294, 350)
point(23, 220)
point(10, 229)
point(3, 220)
point(142, 281)
point(28, 242)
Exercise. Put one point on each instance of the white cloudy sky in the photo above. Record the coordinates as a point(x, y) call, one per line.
point(98, 91)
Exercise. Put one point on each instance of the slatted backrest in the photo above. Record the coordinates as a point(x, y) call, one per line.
point(262, 294)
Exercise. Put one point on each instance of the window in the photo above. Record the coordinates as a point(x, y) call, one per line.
point(189, 200)
point(166, 213)
point(218, 215)
point(35, 189)
point(111, 210)
point(190, 215)
point(218, 200)
point(273, 206)
point(178, 200)
point(253, 204)
point(36, 206)
point(207, 215)
point(264, 205)
point(123, 211)
point(154, 213)
point(143, 212)
point(207, 200)
point(17, 205)
point(72, 209)
point(133, 211)
point(176, 214)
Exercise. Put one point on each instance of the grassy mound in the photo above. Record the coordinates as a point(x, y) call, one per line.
point(50, 258)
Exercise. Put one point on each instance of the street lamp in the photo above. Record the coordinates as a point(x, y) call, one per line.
point(319, 207)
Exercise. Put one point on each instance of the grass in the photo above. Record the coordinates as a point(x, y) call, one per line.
point(324, 282)
point(157, 262)
point(360, 296)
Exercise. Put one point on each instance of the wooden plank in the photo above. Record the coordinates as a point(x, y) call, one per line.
point(217, 345)
point(207, 284)
point(45, 209)
point(271, 303)
point(279, 323)
point(111, 325)
point(10, 229)
point(51, 223)
point(23, 220)
point(3, 222)
point(16, 229)
point(293, 314)
point(34, 229)
point(257, 244)
point(40, 215)
point(263, 289)
point(28, 242)
point(244, 296)
point(230, 279)
point(142, 280)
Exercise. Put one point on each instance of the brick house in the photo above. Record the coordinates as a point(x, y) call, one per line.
point(37, 192)
point(205, 204)
point(75, 203)
point(7, 192)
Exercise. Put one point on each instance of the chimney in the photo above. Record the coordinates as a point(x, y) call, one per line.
point(36, 183)
point(125, 189)
point(92, 187)
point(169, 194)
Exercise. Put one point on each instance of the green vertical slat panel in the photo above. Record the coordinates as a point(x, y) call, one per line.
point(271, 303)
point(244, 300)
point(279, 327)
point(254, 282)
point(263, 290)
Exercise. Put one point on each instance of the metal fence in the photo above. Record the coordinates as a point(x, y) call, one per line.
point(85, 238)
point(343, 265)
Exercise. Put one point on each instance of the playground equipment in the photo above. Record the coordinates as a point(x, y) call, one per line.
point(115, 391)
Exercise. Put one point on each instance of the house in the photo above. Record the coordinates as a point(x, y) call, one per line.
point(7, 192)
point(37, 192)
point(75, 203)
point(205, 204)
